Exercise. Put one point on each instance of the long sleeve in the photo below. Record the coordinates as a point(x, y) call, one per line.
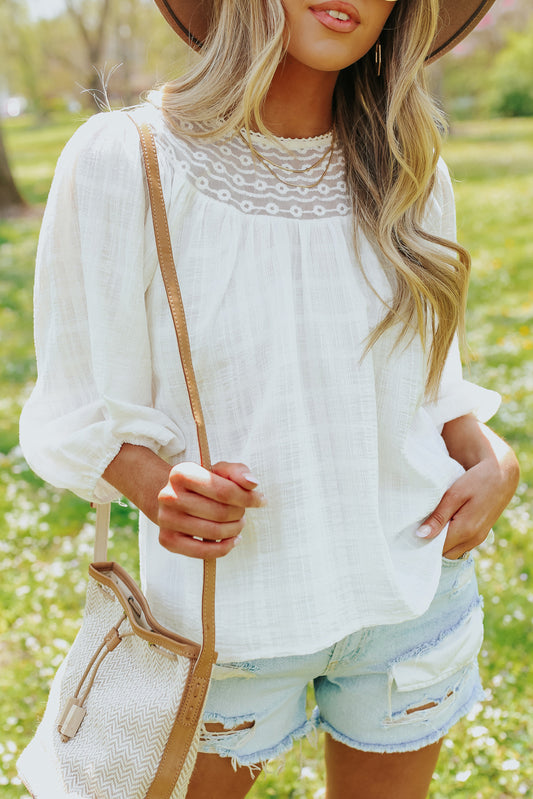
point(94, 390)
point(456, 396)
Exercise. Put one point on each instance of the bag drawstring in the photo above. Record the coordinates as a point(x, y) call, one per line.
point(74, 713)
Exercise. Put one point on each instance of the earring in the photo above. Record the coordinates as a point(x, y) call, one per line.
point(378, 58)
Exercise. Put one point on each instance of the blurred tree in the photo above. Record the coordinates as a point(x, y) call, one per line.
point(9, 194)
point(146, 49)
point(22, 56)
point(91, 19)
point(54, 61)
point(470, 85)
point(510, 89)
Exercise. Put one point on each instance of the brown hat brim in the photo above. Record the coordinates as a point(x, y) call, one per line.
point(457, 19)
point(190, 20)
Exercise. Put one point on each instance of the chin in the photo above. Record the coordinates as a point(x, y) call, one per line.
point(327, 59)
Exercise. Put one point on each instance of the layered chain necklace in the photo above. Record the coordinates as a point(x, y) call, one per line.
point(272, 166)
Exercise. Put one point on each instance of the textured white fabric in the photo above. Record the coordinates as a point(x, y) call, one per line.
point(347, 452)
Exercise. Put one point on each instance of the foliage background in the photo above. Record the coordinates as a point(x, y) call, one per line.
point(46, 539)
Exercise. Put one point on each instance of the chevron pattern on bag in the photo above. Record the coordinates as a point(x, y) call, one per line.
point(130, 710)
point(109, 757)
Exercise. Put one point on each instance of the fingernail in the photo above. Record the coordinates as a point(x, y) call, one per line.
point(262, 500)
point(423, 531)
point(237, 540)
point(250, 478)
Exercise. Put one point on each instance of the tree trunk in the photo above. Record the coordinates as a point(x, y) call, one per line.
point(9, 194)
point(93, 38)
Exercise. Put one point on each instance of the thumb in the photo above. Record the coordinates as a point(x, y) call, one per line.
point(438, 520)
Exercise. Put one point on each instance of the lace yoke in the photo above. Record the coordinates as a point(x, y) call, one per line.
point(227, 171)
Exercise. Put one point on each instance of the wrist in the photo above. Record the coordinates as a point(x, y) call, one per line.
point(139, 474)
point(467, 441)
point(473, 444)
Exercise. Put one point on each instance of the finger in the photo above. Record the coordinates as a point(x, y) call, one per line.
point(457, 538)
point(181, 544)
point(194, 478)
point(464, 534)
point(171, 519)
point(191, 504)
point(236, 472)
point(455, 553)
point(450, 504)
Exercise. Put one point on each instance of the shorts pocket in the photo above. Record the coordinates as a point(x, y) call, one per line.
point(450, 654)
point(455, 561)
point(423, 681)
point(456, 576)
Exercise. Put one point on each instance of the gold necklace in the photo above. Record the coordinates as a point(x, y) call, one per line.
point(270, 164)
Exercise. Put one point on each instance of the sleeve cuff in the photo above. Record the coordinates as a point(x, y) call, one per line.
point(466, 398)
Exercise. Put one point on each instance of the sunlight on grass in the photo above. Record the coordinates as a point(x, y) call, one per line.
point(46, 545)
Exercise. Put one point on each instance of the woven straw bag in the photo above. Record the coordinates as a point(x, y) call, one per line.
point(124, 712)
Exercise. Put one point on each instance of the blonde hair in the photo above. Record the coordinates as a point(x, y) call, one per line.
point(390, 132)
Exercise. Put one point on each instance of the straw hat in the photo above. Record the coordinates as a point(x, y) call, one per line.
point(190, 20)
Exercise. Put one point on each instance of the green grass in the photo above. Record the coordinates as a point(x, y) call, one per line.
point(34, 146)
point(46, 544)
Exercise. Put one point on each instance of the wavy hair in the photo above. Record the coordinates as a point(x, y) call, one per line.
point(390, 131)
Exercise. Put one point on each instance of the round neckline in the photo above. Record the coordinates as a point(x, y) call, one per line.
point(321, 142)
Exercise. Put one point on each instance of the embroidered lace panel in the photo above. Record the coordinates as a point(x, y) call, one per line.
point(227, 171)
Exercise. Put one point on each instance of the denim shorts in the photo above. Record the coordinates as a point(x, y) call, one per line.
point(390, 688)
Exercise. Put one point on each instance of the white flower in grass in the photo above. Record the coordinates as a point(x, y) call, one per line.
point(478, 731)
point(462, 776)
point(478, 707)
point(510, 765)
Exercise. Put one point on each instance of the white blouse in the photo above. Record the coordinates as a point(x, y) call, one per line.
point(346, 450)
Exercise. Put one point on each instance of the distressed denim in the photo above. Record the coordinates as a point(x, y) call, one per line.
point(392, 688)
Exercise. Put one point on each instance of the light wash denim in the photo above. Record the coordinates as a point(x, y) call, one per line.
point(392, 688)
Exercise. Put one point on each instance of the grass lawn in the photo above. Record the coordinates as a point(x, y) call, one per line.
point(46, 545)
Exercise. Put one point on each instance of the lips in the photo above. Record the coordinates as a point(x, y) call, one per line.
point(337, 16)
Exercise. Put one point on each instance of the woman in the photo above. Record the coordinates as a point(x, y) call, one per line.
point(314, 234)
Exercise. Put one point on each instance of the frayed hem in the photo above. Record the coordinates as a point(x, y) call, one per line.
point(432, 737)
point(229, 722)
point(260, 760)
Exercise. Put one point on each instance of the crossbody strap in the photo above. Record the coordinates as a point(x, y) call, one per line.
point(183, 731)
point(172, 287)
point(170, 279)
point(184, 728)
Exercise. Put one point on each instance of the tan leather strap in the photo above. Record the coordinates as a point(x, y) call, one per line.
point(170, 278)
point(101, 535)
point(192, 704)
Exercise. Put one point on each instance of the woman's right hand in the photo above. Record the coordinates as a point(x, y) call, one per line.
point(201, 512)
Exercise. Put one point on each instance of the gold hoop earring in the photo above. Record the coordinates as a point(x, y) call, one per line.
point(378, 59)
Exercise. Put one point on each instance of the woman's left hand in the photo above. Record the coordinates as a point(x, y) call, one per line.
point(477, 499)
